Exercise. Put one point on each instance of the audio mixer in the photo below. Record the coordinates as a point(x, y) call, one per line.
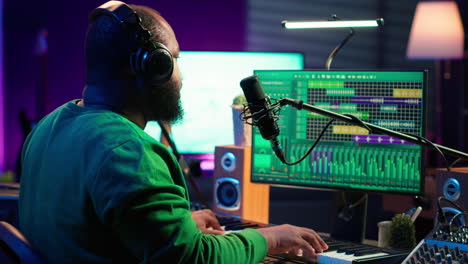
point(442, 246)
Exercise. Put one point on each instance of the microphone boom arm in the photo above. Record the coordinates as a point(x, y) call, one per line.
point(299, 104)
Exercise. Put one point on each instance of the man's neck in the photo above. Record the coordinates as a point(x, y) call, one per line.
point(136, 117)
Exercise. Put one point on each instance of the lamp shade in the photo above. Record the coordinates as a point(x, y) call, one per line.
point(437, 32)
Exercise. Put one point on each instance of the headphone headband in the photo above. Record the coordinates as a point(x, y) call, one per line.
point(117, 9)
point(151, 61)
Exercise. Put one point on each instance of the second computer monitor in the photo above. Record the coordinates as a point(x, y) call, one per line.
point(210, 83)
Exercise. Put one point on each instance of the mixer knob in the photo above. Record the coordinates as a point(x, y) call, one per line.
point(425, 247)
point(448, 258)
point(442, 253)
point(427, 256)
point(446, 249)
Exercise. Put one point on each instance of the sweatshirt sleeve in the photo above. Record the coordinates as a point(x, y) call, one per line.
point(140, 195)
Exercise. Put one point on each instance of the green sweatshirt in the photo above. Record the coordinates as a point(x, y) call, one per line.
point(95, 188)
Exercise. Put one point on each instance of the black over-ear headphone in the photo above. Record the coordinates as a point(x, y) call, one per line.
point(152, 61)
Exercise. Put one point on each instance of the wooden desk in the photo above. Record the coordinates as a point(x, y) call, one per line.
point(9, 195)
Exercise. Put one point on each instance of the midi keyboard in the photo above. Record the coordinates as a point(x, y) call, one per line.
point(339, 252)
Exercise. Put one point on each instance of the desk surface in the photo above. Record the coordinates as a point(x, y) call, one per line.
point(9, 191)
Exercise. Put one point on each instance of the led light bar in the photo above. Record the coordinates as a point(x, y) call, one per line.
point(333, 24)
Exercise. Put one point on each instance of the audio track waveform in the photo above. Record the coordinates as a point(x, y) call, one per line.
point(357, 166)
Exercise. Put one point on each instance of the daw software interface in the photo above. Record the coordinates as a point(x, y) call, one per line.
point(348, 156)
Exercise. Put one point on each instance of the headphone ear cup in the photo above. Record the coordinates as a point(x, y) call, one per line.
point(137, 60)
point(158, 65)
point(154, 66)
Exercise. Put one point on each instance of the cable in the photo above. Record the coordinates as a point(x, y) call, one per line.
point(441, 217)
point(454, 162)
point(358, 202)
point(453, 218)
point(346, 212)
point(276, 108)
point(313, 145)
point(423, 139)
point(183, 164)
point(356, 119)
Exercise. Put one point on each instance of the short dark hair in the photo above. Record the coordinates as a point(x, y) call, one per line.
point(108, 45)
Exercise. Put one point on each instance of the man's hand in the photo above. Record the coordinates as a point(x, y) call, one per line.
point(207, 222)
point(293, 239)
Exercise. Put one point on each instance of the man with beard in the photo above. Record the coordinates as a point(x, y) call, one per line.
point(97, 189)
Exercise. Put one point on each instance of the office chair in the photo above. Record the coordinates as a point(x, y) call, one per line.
point(15, 248)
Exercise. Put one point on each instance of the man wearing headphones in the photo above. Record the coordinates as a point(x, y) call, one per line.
point(97, 189)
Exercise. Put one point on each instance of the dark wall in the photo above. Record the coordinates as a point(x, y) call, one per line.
point(20, 69)
point(252, 25)
point(370, 48)
point(199, 25)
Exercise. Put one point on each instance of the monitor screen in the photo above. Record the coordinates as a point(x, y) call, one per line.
point(210, 81)
point(347, 157)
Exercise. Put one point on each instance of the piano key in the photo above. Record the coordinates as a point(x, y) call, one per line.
point(336, 245)
point(350, 248)
point(356, 249)
point(367, 251)
point(371, 253)
point(341, 258)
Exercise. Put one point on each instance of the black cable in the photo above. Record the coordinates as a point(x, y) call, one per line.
point(358, 202)
point(183, 164)
point(313, 145)
point(169, 140)
point(441, 217)
point(453, 218)
point(454, 162)
point(423, 139)
point(361, 123)
point(276, 108)
point(449, 201)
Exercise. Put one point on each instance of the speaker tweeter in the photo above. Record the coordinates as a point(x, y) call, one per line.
point(233, 192)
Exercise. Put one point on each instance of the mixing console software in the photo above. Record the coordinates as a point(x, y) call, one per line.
point(348, 156)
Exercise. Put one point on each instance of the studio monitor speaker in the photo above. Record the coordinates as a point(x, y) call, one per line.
point(234, 194)
point(453, 185)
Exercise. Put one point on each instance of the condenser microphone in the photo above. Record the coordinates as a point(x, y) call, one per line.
point(262, 113)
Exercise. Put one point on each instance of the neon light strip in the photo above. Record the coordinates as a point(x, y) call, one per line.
point(329, 24)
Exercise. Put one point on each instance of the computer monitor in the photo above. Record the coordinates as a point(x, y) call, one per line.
point(347, 157)
point(210, 83)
